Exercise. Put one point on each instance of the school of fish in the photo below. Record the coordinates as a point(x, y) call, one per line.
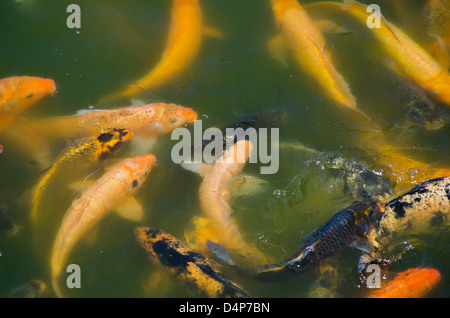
point(97, 157)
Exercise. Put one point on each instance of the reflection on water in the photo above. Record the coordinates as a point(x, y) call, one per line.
point(118, 43)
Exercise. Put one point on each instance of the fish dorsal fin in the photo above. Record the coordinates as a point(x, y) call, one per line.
point(199, 168)
point(130, 209)
point(278, 49)
point(329, 26)
point(213, 33)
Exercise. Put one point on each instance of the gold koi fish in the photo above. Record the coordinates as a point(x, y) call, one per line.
point(307, 44)
point(113, 191)
point(183, 44)
point(149, 120)
point(91, 150)
point(214, 194)
point(410, 59)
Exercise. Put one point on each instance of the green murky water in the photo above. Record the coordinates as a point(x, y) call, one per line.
point(118, 42)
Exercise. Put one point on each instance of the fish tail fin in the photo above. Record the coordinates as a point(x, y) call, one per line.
point(56, 287)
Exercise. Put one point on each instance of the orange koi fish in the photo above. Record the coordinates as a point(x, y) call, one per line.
point(183, 44)
point(17, 93)
point(214, 194)
point(113, 191)
point(409, 58)
point(412, 283)
point(307, 44)
point(149, 120)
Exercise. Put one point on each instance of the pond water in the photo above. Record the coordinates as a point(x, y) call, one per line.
point(120, 41)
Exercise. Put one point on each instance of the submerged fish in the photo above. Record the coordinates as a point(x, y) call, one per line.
point(346, 228)
point(422, 209)
point(420, 108)
point(355, 178)
point(33, 289)
point(6, 222)
point(114, 191)
point(214, 194)
point(436, 30)
point(183, 44)
point(186, 264)
point(307, 44)
point(92, 150)
point(409, 58)
point(149, 120)
point(412, 283)
point(18, 93)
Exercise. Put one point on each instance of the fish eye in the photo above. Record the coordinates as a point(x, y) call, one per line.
point(173, 120)
point(29, 96)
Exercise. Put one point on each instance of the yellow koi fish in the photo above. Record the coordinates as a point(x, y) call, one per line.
point(183, 44)
point(409, 58)
point(214, 194)
point(17, 93)
point(307, 44)
point(113, 191)
point(149, 120)
point(91, 150)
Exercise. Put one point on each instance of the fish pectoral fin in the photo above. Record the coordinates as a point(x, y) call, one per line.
point(362, 246)
point(79, 186)
point(199, 168)
point(439, 51)
point(213, 33)
point(130, 209)
point(278, 49)
point(331, 27)
point(246, 185)
point(220, 252)
point(142, 145)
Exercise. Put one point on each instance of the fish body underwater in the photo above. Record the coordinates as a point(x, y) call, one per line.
point(408, 57)
point(114, 191)
point(214, 195)
point(18, 93)
point(412, 283)
point(183, 44)
point(92, 150)
point(420, 210)
point(148, 120)
point(187, 265)
point(307, 44)
point(346, 227)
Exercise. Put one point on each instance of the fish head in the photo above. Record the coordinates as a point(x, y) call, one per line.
point(371, 185)
point(139, 168)
point(23, 91)
point(111, 141)
point(169, 117)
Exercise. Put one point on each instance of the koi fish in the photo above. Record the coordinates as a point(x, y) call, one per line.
point(420, 108)
point(183, 44)
point(412, 283)
point(18, 93)
point(149, 120)
point(355, 178)
point(214, 194)
point(409, 58)
point(186, 264)
point(421, 209)
point(91, 150)
point(113, 191)
point(307, 44)
point(436, 30)
point(346, 228)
